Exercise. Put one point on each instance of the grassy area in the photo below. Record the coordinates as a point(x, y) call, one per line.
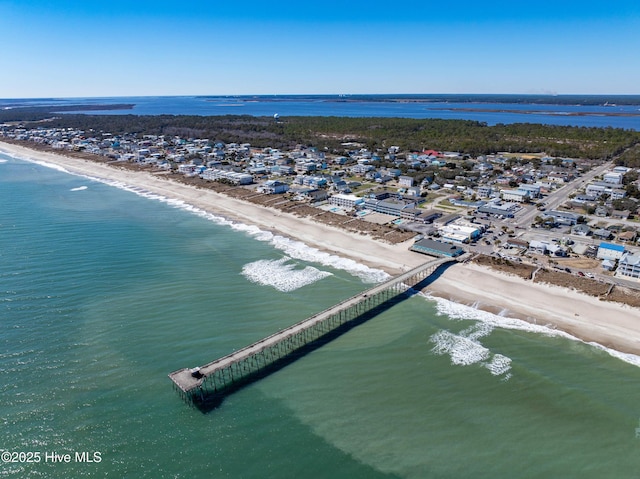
point(363, 187)
point(447, 205)
point(446, 208)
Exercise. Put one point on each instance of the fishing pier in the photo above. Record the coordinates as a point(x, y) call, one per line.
point(256, 360)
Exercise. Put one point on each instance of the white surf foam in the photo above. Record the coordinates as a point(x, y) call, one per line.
point(465, 349)
point(292, 248)
point(79, 188)
point(41, 163)
point(477, 331)
point(281, 274)
point(499, 365)
point(462, 311)
point(3, 161)
point(626, 357)
point(462, 350)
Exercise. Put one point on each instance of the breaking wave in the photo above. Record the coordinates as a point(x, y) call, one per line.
point(465, 349)
point(79, 188)
point(292, 248)
point(499, 365)
point(46, 164)
point(462, 311)
point(282, 275)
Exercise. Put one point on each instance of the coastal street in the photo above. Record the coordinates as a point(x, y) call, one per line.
point(559, 196)
point(392, 258)
point(371, 240)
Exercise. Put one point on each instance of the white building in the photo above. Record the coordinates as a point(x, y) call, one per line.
point(187, 169)
point(273, 187)
point(484, 191)
point(621, 169)
point(599, 188)
point(610, 251)
point(534, 190)
point(361, 169)
point(629, 266)
point(459, 231)
point(405, 181)
point(543, 247)
point(613, 178)
point(231, 176)
point(539, 247)
point(518, 196)
point(562, 217)
point(345, 201)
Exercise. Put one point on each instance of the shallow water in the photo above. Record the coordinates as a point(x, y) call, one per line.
point(104, 291)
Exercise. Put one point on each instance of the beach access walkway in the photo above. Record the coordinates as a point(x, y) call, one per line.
point(254, 360)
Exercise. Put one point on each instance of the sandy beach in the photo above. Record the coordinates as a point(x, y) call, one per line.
point(609, 324)
point(613, 325)
point(391, 258)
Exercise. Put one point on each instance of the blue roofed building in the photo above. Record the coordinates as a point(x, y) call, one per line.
point(610, 251)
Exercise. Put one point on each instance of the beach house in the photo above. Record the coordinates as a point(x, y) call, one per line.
point(406, 181)
point(346, 201)
point(613, 178)
point(610, 251)
point(629, 266)
point(273, 187)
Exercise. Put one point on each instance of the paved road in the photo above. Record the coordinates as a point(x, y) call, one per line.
point(559, 196)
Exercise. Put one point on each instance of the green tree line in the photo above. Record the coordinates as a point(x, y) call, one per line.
point(470, 137)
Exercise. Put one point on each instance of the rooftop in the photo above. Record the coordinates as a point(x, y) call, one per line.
point(611, 246)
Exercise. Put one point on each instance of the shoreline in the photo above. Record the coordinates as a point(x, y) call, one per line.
point(612, 325)
point(391, 258)
point(546, 112)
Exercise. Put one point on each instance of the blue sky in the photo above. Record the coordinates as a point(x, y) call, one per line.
point(65, 48)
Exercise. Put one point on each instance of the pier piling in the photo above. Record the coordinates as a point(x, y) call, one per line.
point(205, 385)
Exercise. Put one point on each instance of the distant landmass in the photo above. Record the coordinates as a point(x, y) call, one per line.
point(600, 111)
point(601, 100)
point(111, 103)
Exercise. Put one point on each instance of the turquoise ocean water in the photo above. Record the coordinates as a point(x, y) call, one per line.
point(105, 290)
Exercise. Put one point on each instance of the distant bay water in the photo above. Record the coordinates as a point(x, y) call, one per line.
point(569, 110)
point(106, 288)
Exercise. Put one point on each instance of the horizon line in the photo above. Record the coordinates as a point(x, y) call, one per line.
point(346, 95)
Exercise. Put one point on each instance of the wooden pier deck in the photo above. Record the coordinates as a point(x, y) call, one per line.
point(289, 339)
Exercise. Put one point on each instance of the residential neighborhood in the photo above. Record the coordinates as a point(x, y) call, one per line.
point(530, 208)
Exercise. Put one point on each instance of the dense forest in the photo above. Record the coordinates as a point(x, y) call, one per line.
point(470, 137)
point(630, 157)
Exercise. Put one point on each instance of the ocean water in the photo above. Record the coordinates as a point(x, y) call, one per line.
point(105, 289)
